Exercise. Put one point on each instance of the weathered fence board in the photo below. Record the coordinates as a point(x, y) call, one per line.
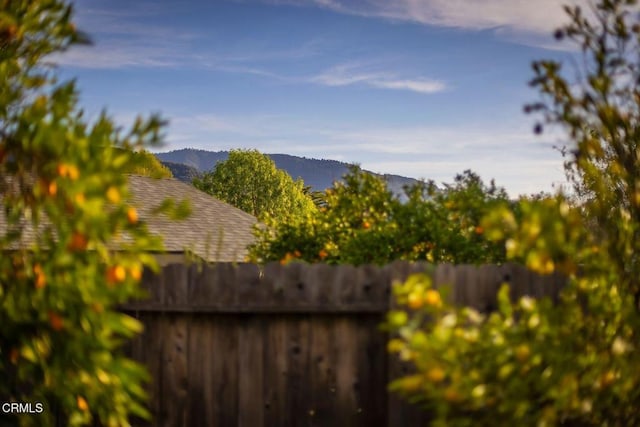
point(297, 345)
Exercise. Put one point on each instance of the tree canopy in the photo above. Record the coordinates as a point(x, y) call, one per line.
point(250, 180)
point(361, 221)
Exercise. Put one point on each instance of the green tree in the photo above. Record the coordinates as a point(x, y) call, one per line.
point(360, 221)
point(64, 201)
point(250, 180)
point(316, 196)
point(443, 224)
point(532, 362)
point(145, 163)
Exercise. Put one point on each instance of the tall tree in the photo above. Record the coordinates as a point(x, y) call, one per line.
point(250, 180)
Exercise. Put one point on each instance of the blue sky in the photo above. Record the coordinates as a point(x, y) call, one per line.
point(421, 88)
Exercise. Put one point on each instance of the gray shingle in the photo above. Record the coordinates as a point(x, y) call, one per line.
point(215, 231)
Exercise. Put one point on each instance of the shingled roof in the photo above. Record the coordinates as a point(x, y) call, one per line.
point(215, 231)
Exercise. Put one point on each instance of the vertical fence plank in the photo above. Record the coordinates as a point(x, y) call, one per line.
point(176, 282)
point(346, 361)
point(225, 366)
point(518, 281)
point(175, 383)
point(444, 277)
point(202, 289)
point(298, 383)
point(152, 286)
point(371, 371)
point(322, 372)
point(295, 290)
point(321, 282)
point(200, 410)
point(373, 286)
point(346, 283)
point(275, 365)
point(221, 279)
point(147, 350)
point(248, 285)
point(251, 371)
point(271, 280)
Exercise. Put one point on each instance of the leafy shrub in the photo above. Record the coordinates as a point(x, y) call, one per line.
point(360, 221)
point(533, 363)
point(64, 195)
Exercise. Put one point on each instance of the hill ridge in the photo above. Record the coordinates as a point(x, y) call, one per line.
point(320, 174)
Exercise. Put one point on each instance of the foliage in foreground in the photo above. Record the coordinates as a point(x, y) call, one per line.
point(360, 221)
point(250, 180)
point(530, 362)
point(64, 202)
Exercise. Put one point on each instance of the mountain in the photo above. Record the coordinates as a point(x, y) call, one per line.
point(319, 174)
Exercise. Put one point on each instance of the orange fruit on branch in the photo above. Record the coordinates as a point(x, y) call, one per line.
point(132, 215)
point(415, 300)
point(136, 272)
point(432, 298)
point(116, 274)
point(113, 195)
point(435, 375)
point(82, 404)
point(55, 321)
point(41, 279)
point(78, 242)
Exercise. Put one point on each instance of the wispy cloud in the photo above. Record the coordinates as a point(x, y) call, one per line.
point(130, 38)
point(539, 16)
point(350, 74)
point(165, 52)
point(420, 85)
point(119, 54)
point(125, 39)
point(514, 18)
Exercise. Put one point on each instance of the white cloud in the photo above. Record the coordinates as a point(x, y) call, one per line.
point(515, 18)
point(540, 16)
point(350, 74)
point(420, 85)
point(115, 55)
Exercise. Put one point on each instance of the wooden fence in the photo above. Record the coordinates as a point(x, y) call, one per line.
point(296, 345)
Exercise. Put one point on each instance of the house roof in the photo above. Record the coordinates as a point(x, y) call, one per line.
point(214, 231)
